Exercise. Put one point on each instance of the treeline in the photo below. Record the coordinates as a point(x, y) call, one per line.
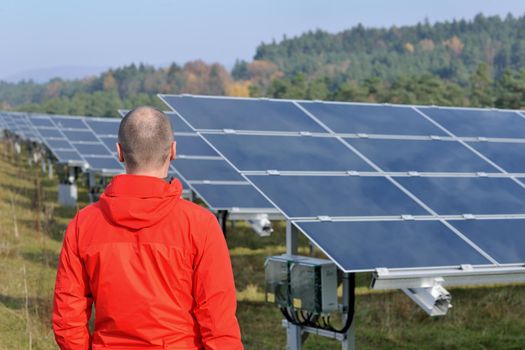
point(463, 63)
point(449, 50)
point(508, 91)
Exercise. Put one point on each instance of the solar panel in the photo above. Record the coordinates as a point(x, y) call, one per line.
point(84, 136)
point(69, 123)
point(232, 197)
point(87, 149)
point(508, 156)
point(72, 141)
point(193, 146)
point(393, 244)
point(242, 114)
point(303, 153)
point(502, 239)
point(421, 155)
point(479, 123)
point(468, 195)
point(315, 196)
point(371, 119)
point(378, 185)
point(206, 170)
point(103, 126)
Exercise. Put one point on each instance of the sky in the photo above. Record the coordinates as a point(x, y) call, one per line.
point(72, 35)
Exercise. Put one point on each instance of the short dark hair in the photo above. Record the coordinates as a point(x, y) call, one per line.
point(145, 136)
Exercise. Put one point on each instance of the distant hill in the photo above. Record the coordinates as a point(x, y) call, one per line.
point(449, 50)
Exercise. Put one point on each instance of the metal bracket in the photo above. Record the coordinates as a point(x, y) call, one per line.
point(434, 299)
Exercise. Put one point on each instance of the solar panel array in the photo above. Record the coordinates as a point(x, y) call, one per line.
point(207, 174)
point(379, 185)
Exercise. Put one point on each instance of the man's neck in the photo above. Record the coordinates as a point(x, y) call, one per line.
point(161, 174)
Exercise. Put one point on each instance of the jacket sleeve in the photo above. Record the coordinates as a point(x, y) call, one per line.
point(214, 291)
point(72, 299)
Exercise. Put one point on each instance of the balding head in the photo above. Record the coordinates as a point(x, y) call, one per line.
point(146, 138)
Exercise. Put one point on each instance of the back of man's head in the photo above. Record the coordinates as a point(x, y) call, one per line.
point(145, 137)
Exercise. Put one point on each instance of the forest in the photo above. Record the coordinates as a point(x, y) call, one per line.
point(478, 62)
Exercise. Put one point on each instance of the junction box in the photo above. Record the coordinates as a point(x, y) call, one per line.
point(301, 283)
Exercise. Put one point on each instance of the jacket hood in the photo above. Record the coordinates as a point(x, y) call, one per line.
point(137, 201)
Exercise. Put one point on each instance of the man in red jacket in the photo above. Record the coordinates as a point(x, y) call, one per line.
point(155, 265)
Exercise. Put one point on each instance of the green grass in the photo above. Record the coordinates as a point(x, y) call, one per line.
point(482, 318)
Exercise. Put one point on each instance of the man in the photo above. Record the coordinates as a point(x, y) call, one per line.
point(156, 266)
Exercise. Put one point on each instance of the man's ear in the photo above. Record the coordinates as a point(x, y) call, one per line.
point(173, 150)
point(119, 153)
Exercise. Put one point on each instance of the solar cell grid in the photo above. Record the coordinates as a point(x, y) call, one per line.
point(398, 232)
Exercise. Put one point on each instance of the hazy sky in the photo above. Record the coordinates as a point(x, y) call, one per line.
point(37, 34)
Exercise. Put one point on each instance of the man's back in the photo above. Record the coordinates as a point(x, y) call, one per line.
point(157, 268)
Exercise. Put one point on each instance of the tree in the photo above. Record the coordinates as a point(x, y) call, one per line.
point(480, 87)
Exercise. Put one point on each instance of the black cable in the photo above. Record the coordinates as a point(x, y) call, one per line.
point(351, 305)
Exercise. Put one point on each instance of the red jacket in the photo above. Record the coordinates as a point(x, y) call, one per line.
point(155, 265)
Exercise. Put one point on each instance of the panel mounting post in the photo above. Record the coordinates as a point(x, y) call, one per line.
point(348, 343)
point(293, 333)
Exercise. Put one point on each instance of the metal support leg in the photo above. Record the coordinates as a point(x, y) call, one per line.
point(293, 332)
point(349, 342)
point(291, 239)
point(49, 169)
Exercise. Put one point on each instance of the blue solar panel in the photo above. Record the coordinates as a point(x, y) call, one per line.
point(58, 144)
point(178, 124)
point(64, 156)
point(504, 240)
point(313, 196)
point(41, 122)
point(107, 126)
point(85, 136)
point(509, 156)
point(371, 119)
point(193, 146)
point(110, 143)
point(241, 114)
point(68, 122)
point(468, 195)
point(106, 164)
point(362, 246)
point(206, 169)
point(231, 196)
point(422, 156)
point(293, 153)
point(479, 123)
point(50, 133)
point(91, 149)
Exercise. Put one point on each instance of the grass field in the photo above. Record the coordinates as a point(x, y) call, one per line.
point(31, 230)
